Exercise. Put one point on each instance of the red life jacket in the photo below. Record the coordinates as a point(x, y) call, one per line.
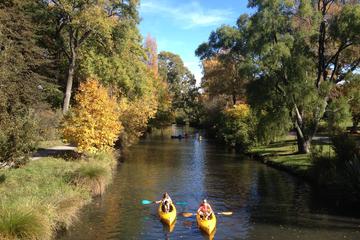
point(205, 207)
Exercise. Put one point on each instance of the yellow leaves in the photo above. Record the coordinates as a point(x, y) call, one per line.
point(135, 116)
point(241, 110)
point(93, 124)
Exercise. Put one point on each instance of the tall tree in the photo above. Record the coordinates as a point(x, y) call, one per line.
point(181, 82)
point(225, 68)
point(79, 20)
point(20, 60)
point(152, 55)
point(301, 49)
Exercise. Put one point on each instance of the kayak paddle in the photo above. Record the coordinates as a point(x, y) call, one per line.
point(188, 214)
point(145, 202)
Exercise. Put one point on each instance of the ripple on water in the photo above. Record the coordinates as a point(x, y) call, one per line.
point(266, 203)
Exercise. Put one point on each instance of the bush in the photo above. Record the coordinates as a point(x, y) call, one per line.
point(339, 114)
point(323, 167)
point(235, 127)
point(339, 173)
point(49, 122)
point(93, 125)
point(18, 138)
point(134, 117)
point(345, 147)
point(352, 171)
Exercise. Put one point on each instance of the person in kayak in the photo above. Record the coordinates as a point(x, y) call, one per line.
point(166, 202)
point(205, 210)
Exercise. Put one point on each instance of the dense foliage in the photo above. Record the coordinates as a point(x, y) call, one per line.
point(48, 48)
point(291, 55)
point(93, 124)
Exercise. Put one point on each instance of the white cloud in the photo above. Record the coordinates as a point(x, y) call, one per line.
point(187, 15)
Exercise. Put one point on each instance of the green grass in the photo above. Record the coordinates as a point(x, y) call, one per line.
point(93, 177)
point(42, 197)
point(23, 222)
point(284, 153)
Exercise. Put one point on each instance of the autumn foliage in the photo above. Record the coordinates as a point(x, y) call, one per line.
point(93, 124)
point(239, 111)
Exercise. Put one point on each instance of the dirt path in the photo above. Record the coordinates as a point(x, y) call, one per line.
point(55, 151)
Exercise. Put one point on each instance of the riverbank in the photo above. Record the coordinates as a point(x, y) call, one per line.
point(283, 155)
point(332, 168)
point(46, 195)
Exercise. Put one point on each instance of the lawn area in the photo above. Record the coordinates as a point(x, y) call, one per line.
point(283, 154)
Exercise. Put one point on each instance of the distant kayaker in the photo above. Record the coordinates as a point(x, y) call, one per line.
point(166, 202)
point(205, 210)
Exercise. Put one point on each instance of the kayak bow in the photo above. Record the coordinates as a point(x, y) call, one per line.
point(168, 218)
point(208, 226)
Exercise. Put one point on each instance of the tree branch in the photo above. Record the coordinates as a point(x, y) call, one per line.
point(342, 47)
point(84, 37)
point(353, 66)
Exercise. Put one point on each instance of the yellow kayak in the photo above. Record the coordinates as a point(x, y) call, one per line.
point(207, 226)
point(168, 218)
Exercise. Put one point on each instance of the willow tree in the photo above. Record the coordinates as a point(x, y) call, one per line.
point(79, 20)
point(300, 50)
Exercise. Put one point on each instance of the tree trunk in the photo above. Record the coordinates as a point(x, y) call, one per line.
point(303, 142)
point(234, 99)
point(354, 126)
point(69, 83)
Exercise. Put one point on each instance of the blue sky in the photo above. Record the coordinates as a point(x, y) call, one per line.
point(180, 26)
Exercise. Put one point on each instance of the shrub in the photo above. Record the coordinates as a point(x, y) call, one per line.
point(235, 127)
point(134, 117)
point(345, 147)
point(93, 125)
point(339, 114)
point(340, 173)
point(352, 170)
point(18, 138)
point(49, 122)
point(323, 167)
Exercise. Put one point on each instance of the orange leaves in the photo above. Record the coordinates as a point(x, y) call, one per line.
point(93, 124)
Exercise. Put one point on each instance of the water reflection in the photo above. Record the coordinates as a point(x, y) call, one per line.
point(267, 204)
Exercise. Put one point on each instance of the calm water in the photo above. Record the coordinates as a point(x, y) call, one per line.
point(267, 204)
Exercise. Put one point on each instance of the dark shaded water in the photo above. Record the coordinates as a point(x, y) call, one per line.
point(267, 203)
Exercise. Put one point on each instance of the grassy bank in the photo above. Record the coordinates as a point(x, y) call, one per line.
point(283, 155)
point(46, 195)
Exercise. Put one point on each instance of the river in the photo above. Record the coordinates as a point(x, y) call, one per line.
point(266, 203)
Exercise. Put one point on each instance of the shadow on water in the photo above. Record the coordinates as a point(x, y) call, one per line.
point(267, 203)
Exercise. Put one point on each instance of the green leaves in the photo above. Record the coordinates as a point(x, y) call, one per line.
point(346, 25)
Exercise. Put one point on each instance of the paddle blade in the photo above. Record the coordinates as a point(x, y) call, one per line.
point(181, 203)
point(225, 213)
point(187, 214)
point(144, 202)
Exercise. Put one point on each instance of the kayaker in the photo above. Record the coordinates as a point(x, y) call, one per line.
point(166, 202)
point(205, 210)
